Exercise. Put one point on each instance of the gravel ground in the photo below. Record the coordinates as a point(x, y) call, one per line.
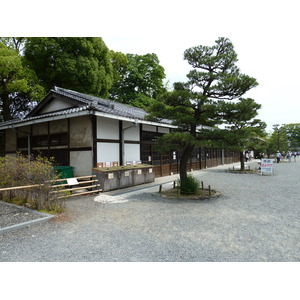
point(11, 215)
point(256, 219)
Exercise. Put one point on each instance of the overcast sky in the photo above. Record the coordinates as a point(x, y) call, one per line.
point(264, 33)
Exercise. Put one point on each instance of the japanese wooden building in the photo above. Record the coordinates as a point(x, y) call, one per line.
point(84, 131)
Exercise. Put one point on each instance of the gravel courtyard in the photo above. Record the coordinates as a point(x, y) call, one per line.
point(256, 219)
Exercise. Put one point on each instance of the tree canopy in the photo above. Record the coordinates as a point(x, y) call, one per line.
point(243, 130)
point(284, 138)
point(292, 132)
point(16, 43)
point(18, 88)
point(82, 64)
point(79, 63)
point(138, 79)
point(195, 104)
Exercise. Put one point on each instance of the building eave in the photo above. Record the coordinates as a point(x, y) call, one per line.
point(22, 123)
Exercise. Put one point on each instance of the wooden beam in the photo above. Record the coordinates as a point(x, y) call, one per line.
point(83, 193)
point(74, 189)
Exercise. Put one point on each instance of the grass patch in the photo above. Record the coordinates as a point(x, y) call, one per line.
point(242, 172)
point(201, 194)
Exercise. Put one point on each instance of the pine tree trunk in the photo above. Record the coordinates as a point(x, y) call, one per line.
point(242, 160)
point(187, 152)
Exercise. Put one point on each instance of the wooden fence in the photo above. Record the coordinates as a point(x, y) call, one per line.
point(70, 187)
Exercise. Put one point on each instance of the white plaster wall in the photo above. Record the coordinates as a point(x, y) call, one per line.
point(55, 105)
point(132, 152)
point(58, 126)
point(132, 133)
point(40, 129)
point(10, 140)
point(80, 132)
point(163, 129)
point(107, 129)
point(82, 162)
point(108, 152)
point(149, 128)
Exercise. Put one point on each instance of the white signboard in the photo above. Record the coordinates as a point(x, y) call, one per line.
point(266, 166)
point(72, 181)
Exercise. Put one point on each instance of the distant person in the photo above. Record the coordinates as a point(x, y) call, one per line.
point(295, 155)
point(247, 156)
point(278, 155)
point(289, 156)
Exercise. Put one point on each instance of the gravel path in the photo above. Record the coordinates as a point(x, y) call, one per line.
point(12, 215)
point(256, 218)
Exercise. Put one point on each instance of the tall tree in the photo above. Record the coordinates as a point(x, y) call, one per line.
point(284, 138)
point(139, 79)
point(243, 130)
point(195, 104)
point(18, 90)
point(292, 133)
point(16, 43)
point(79, 63)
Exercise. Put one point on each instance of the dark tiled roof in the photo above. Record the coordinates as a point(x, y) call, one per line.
point(103, 105)
point(84, 102)
point(52, 114)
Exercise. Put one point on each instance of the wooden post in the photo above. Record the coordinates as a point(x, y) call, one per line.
point(160, 188)
point(174, 184)
point(202, 186)
point(209, 191)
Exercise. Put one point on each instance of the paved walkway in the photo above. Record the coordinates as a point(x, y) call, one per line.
point(256, 218)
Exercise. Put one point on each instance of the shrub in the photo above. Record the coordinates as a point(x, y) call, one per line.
point(26, 171)
point(189, 186)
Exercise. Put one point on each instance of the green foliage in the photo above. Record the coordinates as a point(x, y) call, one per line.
point(21, 171)
point(18, 88)
point(15, 43)
point(189, 186)
point(284, 138)
point(197, 104)
point(215, 72)
point(138, 79)
point(78, 63)
point(242, 127)
point(292, 134)
point(243, 131)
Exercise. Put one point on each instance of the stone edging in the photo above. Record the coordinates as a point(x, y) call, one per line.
point(44, 217)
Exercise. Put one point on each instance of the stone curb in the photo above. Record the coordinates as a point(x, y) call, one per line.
point(45, 217)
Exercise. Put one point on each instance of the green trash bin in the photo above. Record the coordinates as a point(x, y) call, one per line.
point(64, 171)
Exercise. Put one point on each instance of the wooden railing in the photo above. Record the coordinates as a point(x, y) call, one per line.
point(84, 182)
point(75, 184)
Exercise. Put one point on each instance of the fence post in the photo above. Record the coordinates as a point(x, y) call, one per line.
point(160, 188)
